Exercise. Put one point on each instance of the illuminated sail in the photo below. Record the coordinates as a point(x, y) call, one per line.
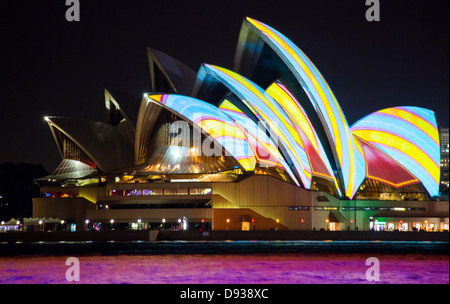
point(268, 111)
point(408, 135)
point(347, 154)
point(213, 121)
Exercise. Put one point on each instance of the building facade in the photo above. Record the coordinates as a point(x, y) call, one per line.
point(259, 202)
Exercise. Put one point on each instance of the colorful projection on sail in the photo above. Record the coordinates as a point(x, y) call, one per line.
point(212, 121)
point(347, 151)
point(409, 135)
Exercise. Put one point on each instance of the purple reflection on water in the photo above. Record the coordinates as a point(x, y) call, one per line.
point(287, 268)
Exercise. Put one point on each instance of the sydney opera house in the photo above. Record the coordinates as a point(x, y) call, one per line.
point(263, 146)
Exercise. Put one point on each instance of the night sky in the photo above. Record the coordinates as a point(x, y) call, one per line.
point(50, 66)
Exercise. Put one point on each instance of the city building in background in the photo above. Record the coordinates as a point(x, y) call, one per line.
point(443, 138)
point(261, 147)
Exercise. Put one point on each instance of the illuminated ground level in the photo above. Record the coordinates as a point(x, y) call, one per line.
point(256, 203)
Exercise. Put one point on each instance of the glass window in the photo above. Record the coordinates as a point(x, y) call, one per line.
point(116, 192)
point(206, 191)
point(296, 208)
point(170, 191)
point(157, 192)
point(133, 192)
point(182, 191)
point(330, 208)
point(152, 192)
point(201, 191)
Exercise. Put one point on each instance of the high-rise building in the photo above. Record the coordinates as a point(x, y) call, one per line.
point(444, 144)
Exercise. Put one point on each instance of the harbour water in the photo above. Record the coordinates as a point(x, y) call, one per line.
point(225, 262)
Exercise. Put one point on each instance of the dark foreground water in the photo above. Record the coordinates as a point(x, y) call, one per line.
point(234, 262)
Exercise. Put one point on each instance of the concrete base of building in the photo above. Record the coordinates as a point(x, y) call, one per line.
point(218, 235)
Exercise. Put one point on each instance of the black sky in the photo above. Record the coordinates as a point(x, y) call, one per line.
point(53, 67)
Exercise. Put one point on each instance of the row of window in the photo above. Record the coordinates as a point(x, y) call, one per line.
point(303, 208)
point(332, 208)
point(383, 209)
point(298, 208)
point(138, 192)
point(58, 194)
point(104, 206)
